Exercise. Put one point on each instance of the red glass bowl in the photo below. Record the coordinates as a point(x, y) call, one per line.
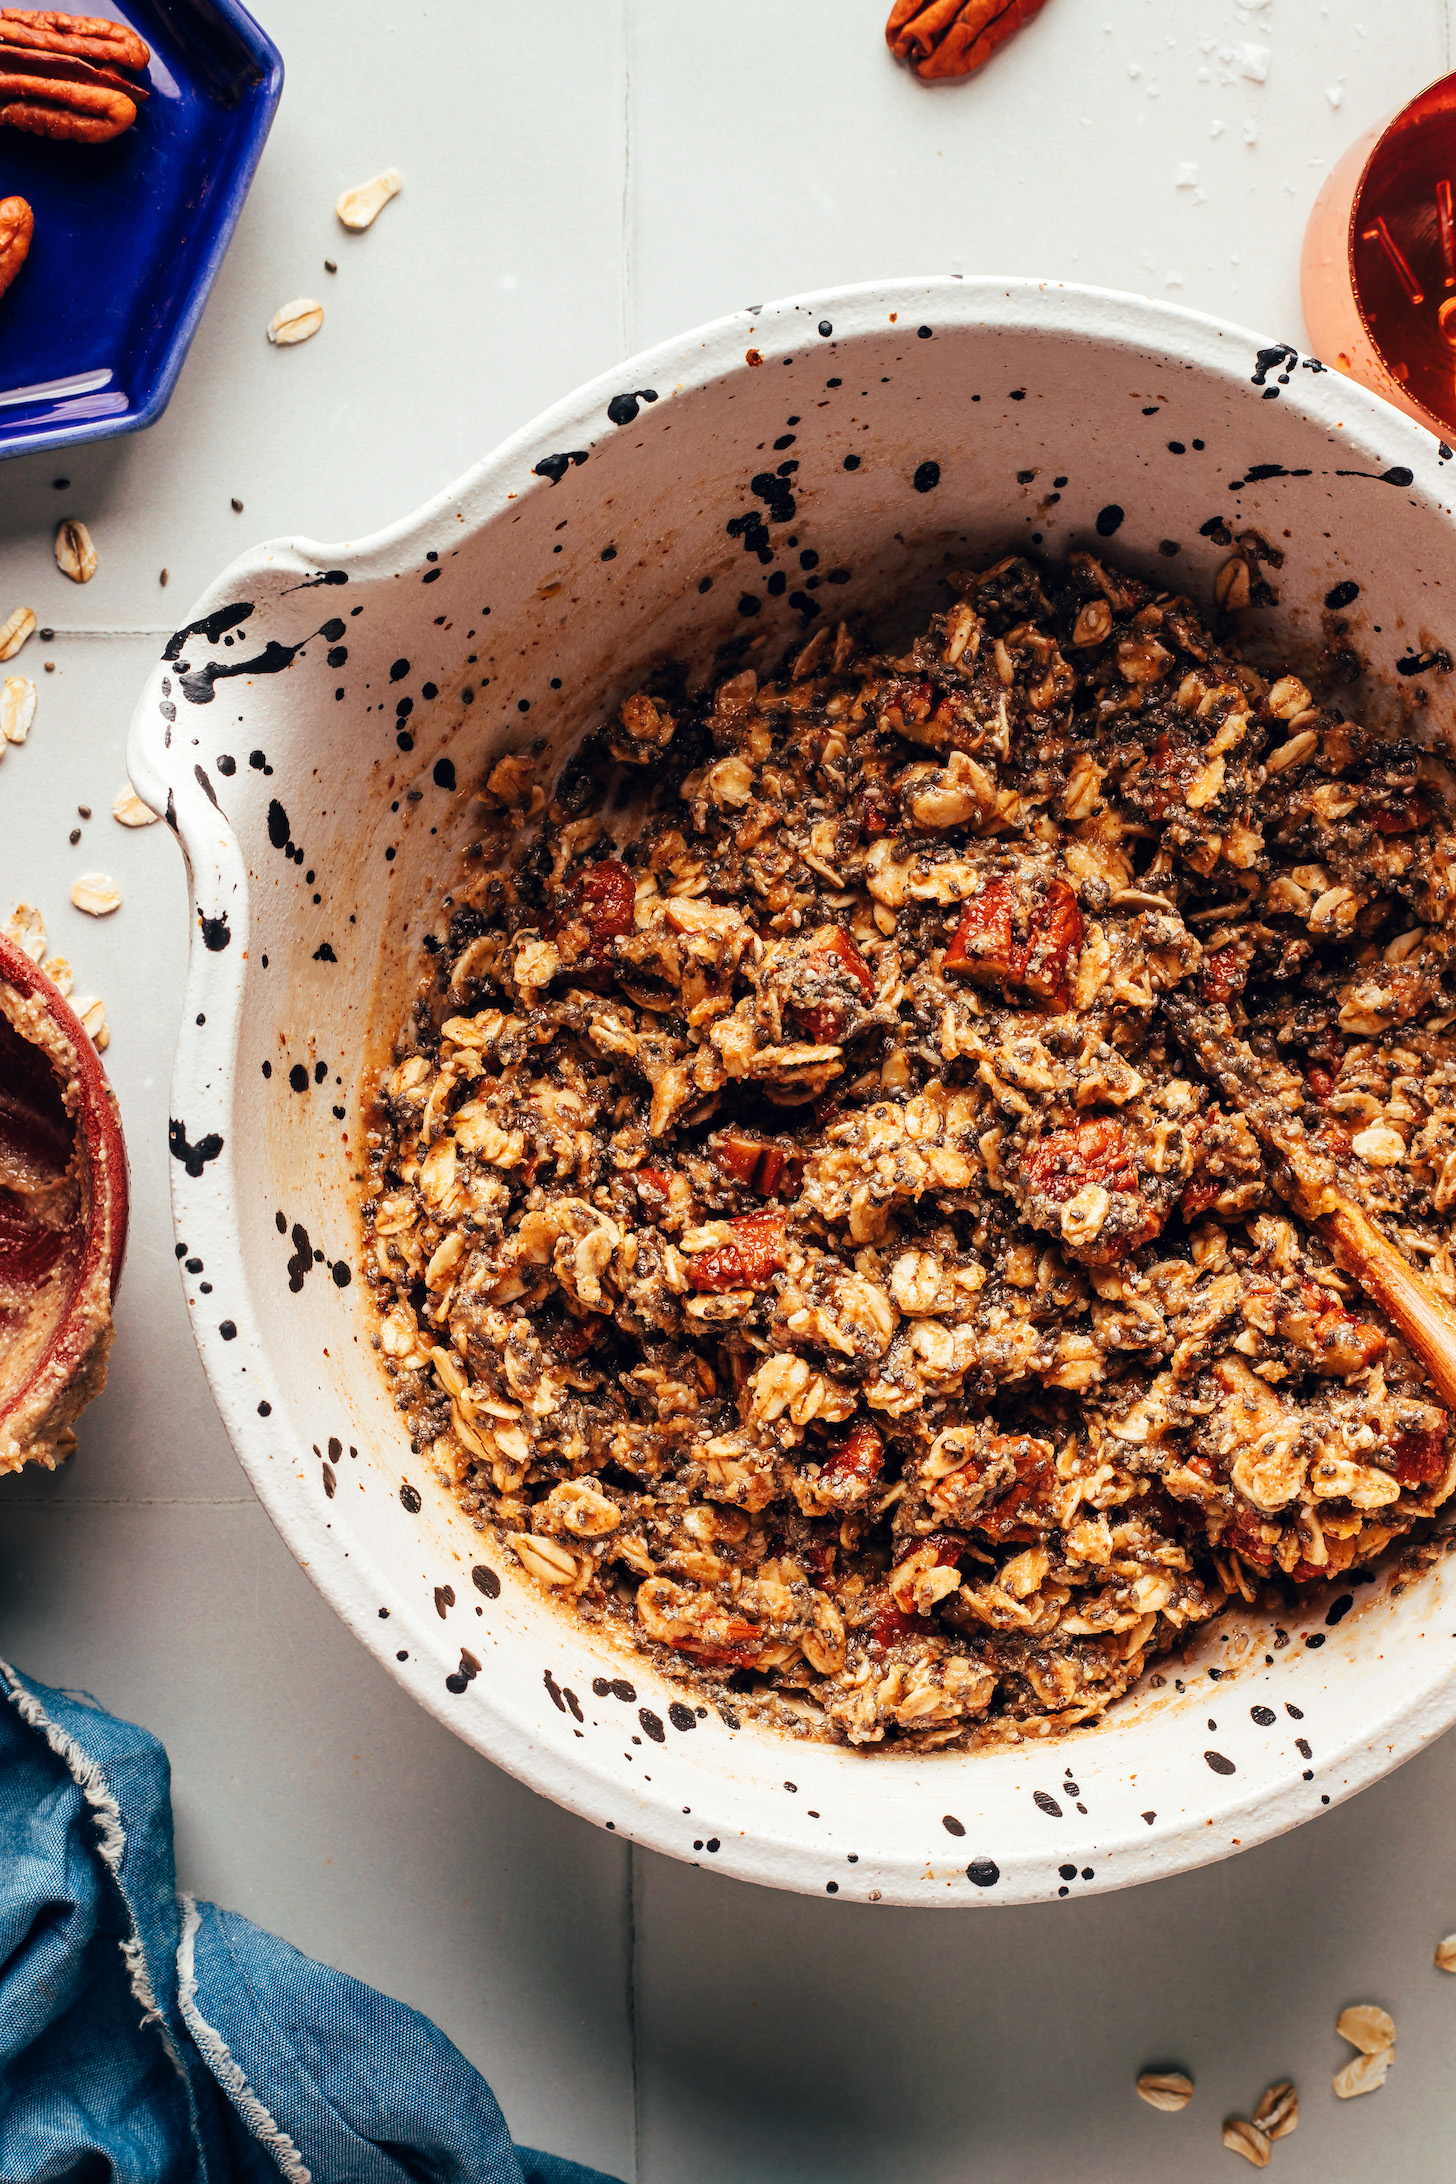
point(1378, 274)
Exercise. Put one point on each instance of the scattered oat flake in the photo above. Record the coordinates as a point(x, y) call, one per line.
point(59, 972)
point(1364, 2074)
point(75, 554)
point(97, 894)
point(296, 321)
point(14, 630)
point(26, 927)
point(93, 1021)
point(1168, 2090)
point(1446, 1954)
point(1241, 2137)
point(17, 708)
point(1278, 2111)
point(130, 810)
point(1366, 2026)
point(360, 208)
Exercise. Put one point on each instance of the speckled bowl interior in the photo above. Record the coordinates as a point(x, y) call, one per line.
point(304, 734)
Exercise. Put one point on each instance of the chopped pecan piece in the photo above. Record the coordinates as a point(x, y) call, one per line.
point(597, 909)
point(1402, 818)
point(1226, 972)
point(653, 1188)
point(1341, 1343)
point(756, 1250)
point(854, 1465)
point(1018, 1513)
point(1420, 1458)
point(1097, 1151)
point(755, 1162)
point(834, 962)
point(1012, 940)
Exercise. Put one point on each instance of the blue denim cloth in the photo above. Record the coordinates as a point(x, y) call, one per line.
point(150, 2039)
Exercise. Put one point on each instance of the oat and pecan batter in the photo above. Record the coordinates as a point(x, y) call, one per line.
point(815, 1222)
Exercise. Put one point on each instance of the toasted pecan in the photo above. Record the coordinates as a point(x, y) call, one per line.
point(88, 37)
point(69, 103)
point(942, 38)
point(17, 225)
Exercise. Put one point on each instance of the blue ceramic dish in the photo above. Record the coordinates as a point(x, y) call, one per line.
point(129, 235)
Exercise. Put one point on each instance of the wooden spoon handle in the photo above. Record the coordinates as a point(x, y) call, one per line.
point(1303, 1174)
point(1402, 1293)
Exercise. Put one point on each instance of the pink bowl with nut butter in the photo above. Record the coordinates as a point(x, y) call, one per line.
point(63, 1211)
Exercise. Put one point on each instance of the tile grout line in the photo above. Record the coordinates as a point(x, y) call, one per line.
point(628, 344)
point(128, 1501)
point(632, 2011)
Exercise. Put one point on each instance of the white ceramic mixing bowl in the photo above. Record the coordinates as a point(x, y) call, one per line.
point(298, 733)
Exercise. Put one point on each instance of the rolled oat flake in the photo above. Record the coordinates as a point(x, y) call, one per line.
point(1168, 2090)
point(97, 894)
point(17, 707)
point(75, 554)
point(93, 1022)
point(1366, 2026)
point(130, 810)
point(1364, 2074)
point(1446, 1954)
point(360, 207)
point(26, 927)
point(294, 322)
point(1242, 2137)
point(14, 630)
point(1278, 2111)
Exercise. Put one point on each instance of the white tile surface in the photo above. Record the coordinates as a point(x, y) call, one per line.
point(813, 2041)
point(776, 149)
point(579, 181)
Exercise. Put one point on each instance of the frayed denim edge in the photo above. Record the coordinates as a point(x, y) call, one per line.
point(110, 1842)
point(220, 2060)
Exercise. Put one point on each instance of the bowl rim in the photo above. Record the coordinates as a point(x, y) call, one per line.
point(204, 1073)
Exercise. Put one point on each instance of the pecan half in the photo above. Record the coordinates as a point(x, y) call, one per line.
point(943, 38)
point(55, 95)
point(17, 225)
point(88, 37)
